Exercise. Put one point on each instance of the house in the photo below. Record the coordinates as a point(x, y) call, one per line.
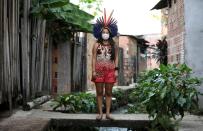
point(134, 60)
point(183, 19)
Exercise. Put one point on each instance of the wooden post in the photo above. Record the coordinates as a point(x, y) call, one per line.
point(84, 64)
point(7, 71)
point(1, 51)
point(25, 40)
point(24, 61)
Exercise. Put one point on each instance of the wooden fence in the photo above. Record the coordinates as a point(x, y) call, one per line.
point(24, 56)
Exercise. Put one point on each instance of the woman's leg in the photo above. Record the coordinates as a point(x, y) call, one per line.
point(108, 96)
point(99, 91)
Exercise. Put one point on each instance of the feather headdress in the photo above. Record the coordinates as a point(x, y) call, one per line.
point(104, 22)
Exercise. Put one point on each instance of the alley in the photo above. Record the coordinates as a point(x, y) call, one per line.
point(76, 62)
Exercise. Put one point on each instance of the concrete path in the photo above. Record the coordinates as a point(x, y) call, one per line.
point(121, 120)
point(191, 123)
point(38, 120)
point(24, 124)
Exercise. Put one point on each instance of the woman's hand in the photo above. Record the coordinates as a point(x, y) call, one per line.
point(94, 74)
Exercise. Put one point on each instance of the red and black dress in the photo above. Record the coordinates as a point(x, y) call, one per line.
point(104, 66)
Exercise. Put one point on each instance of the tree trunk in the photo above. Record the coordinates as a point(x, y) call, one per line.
point(36, 102)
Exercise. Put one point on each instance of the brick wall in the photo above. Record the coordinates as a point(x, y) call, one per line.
point(176, 32)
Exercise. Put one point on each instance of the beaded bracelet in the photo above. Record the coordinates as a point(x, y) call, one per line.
point(116, 68)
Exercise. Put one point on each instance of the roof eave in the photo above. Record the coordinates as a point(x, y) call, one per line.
point(161, 4)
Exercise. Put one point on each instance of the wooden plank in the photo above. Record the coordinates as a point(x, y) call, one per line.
point(64, 67)
point(42, 53)
point(18, 73)
point(77, 67)
point(84, 64)
point(47, 61)
point(1, 51)
point(33, 82)
point(25, 50)
point(7, 71)
point(79, 62)
point(37, 55)
point(49, 58)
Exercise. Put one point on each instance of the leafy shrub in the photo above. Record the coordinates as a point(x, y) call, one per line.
point(120, 96)
point(166, 93)
point(136, 108)
point(76, 102)
point(134, 105)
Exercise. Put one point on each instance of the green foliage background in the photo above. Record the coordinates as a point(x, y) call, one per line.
point(166, 93)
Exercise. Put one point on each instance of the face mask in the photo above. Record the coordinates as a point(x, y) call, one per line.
point(105, 36)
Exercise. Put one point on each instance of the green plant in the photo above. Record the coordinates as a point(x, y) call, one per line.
point(134, 106)
point(120, 95)
point(63, 17)
point(76, 102)
point(162, 46)
point(168, 92)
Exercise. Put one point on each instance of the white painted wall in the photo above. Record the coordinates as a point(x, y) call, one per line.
point(194, 38)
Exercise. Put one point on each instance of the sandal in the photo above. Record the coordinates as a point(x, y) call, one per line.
point(99, 117)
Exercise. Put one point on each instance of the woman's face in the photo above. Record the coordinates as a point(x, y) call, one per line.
point(105, 34)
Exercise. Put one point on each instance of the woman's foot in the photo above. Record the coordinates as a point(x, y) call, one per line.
point(99, 117)
point(109, 117)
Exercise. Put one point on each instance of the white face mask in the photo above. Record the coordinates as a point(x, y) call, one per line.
point(105, 36)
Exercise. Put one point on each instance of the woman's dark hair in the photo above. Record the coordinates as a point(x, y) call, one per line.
point(112, 43)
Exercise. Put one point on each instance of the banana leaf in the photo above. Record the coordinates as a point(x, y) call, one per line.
point(54, 3)
point(69, 13)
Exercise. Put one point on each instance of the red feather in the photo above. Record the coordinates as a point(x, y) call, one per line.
point(105, 17)
point(110, 17)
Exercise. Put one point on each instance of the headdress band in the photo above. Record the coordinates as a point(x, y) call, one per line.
point(104, 22)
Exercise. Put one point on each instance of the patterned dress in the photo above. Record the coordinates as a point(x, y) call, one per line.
point(104, 66)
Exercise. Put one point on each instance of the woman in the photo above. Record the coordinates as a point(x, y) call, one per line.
point(104, 62)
